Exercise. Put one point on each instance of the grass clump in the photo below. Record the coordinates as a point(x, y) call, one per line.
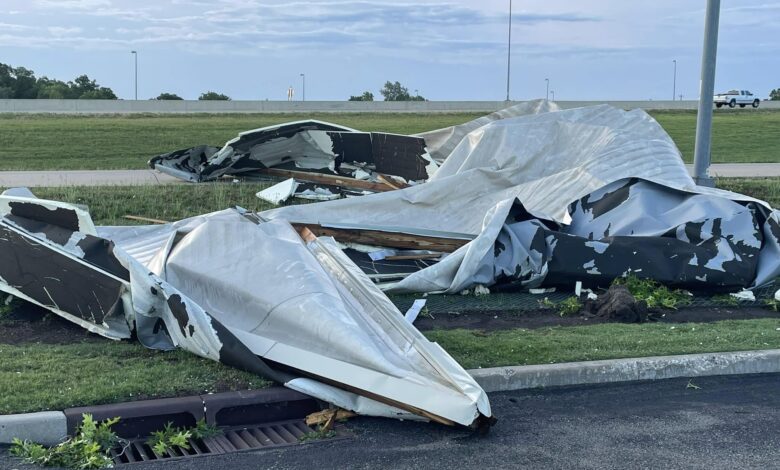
point(655, 294)
point(88, 448)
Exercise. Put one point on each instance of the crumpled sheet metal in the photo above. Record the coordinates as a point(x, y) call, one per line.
point(546, 160)
point(306, 145)
point(251, 294)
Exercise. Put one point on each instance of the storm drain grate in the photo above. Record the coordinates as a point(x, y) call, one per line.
point(278, 434)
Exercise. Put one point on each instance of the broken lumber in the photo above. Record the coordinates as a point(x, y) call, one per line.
point(381, 238)
point(328, 416)
point(145, 219)
point(332, 180)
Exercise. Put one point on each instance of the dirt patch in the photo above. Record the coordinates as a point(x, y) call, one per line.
point(492, 321)
point(28, 323)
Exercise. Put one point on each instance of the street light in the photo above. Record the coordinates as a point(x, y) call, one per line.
point(509, 50)
point(303, 88)
point(701, 149)
point(135, 57)
point(547, 97)
point(674, 83)
point(552, 92)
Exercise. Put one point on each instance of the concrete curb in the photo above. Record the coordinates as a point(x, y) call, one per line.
point(499, 379)
point(50, 427)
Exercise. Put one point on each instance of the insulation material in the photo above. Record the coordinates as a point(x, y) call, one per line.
point(524, 185)
point(301, 304)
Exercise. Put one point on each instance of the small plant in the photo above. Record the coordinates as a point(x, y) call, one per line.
point(169, 437)
point(425, 313)
point(7, 306)
point(87, 449)
point(656, 295)
point(570, 306)
point(322, 432)
point(546, 303)
point(774, 304)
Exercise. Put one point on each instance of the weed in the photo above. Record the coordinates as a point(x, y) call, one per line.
point(425, 313)
point(570, 306)
point(322, 432)
point(655, 294)
point(170, 437)
point(87, 449)
point(725, 299)
point(546, 303)
point(774, 304)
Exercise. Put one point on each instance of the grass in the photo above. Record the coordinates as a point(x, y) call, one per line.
point(37, 377)
point(108, 204)
point(475, 349)
point(57, 142)
point(53, 142)
point(737, 137)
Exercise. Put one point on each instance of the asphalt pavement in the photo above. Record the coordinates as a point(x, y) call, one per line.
point(710, 423)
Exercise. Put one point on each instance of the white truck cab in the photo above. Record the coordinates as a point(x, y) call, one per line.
point(732, 98)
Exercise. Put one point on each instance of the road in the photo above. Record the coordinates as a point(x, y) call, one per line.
point(9, 179)
point(725, 423)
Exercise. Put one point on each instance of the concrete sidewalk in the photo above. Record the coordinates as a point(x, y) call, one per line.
point(150, 177)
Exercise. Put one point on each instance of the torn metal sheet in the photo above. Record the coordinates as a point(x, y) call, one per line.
point(306, 145)
point(251, 294)
point(532, 165)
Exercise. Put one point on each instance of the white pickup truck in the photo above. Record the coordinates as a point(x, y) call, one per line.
point(732, 98)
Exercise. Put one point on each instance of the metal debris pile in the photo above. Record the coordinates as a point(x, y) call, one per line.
point(527, 198)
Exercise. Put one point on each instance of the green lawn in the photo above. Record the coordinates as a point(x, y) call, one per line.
point(44, 142)
point(38, 142)
point(37, 377)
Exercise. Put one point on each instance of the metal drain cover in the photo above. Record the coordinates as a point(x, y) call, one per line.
point(235, 439)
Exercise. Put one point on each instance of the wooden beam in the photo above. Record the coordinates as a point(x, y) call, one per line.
point(332, 180)
point(388, 239)
point(146, 219)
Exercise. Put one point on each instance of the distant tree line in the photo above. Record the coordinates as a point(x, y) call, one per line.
point(392, 91)
point(774, 95)
point(20, 82)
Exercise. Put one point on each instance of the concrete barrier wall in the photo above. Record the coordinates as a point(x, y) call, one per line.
point(185, 106)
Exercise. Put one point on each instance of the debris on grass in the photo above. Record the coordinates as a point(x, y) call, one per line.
point(87, 449)
point(656, 295)
point(618, 304)
point(692, 385)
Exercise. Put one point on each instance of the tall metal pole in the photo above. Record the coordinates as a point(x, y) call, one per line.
point(702, 149)
point(135, 57)
point(547, 96)
point(509, 50)
point(552, 92)
point(674, 83)
point(303, 78)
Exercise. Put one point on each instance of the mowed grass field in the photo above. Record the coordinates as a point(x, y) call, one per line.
point(56, 142)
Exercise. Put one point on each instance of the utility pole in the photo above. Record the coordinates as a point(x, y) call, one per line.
point(509, 51)
point(135, 57)
point(303, 88)
point(702, 148)
point(674, 82)
point(547, 95)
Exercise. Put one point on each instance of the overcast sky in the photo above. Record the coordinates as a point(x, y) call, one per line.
point(446, 49)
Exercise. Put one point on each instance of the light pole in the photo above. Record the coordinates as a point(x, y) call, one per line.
point(674, 82)
point(547, 96)
point(701, 152)
point(552, 92)
point(303, 88)
point(135, 57)
point(509, 50)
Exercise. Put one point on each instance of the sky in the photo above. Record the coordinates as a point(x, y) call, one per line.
point(444, 49)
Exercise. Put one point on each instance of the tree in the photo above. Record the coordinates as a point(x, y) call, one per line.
point(85, 89)
point(213, 96)
point(397, 92)
point(169, 96)
point(366, 96)
point(774, 95)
